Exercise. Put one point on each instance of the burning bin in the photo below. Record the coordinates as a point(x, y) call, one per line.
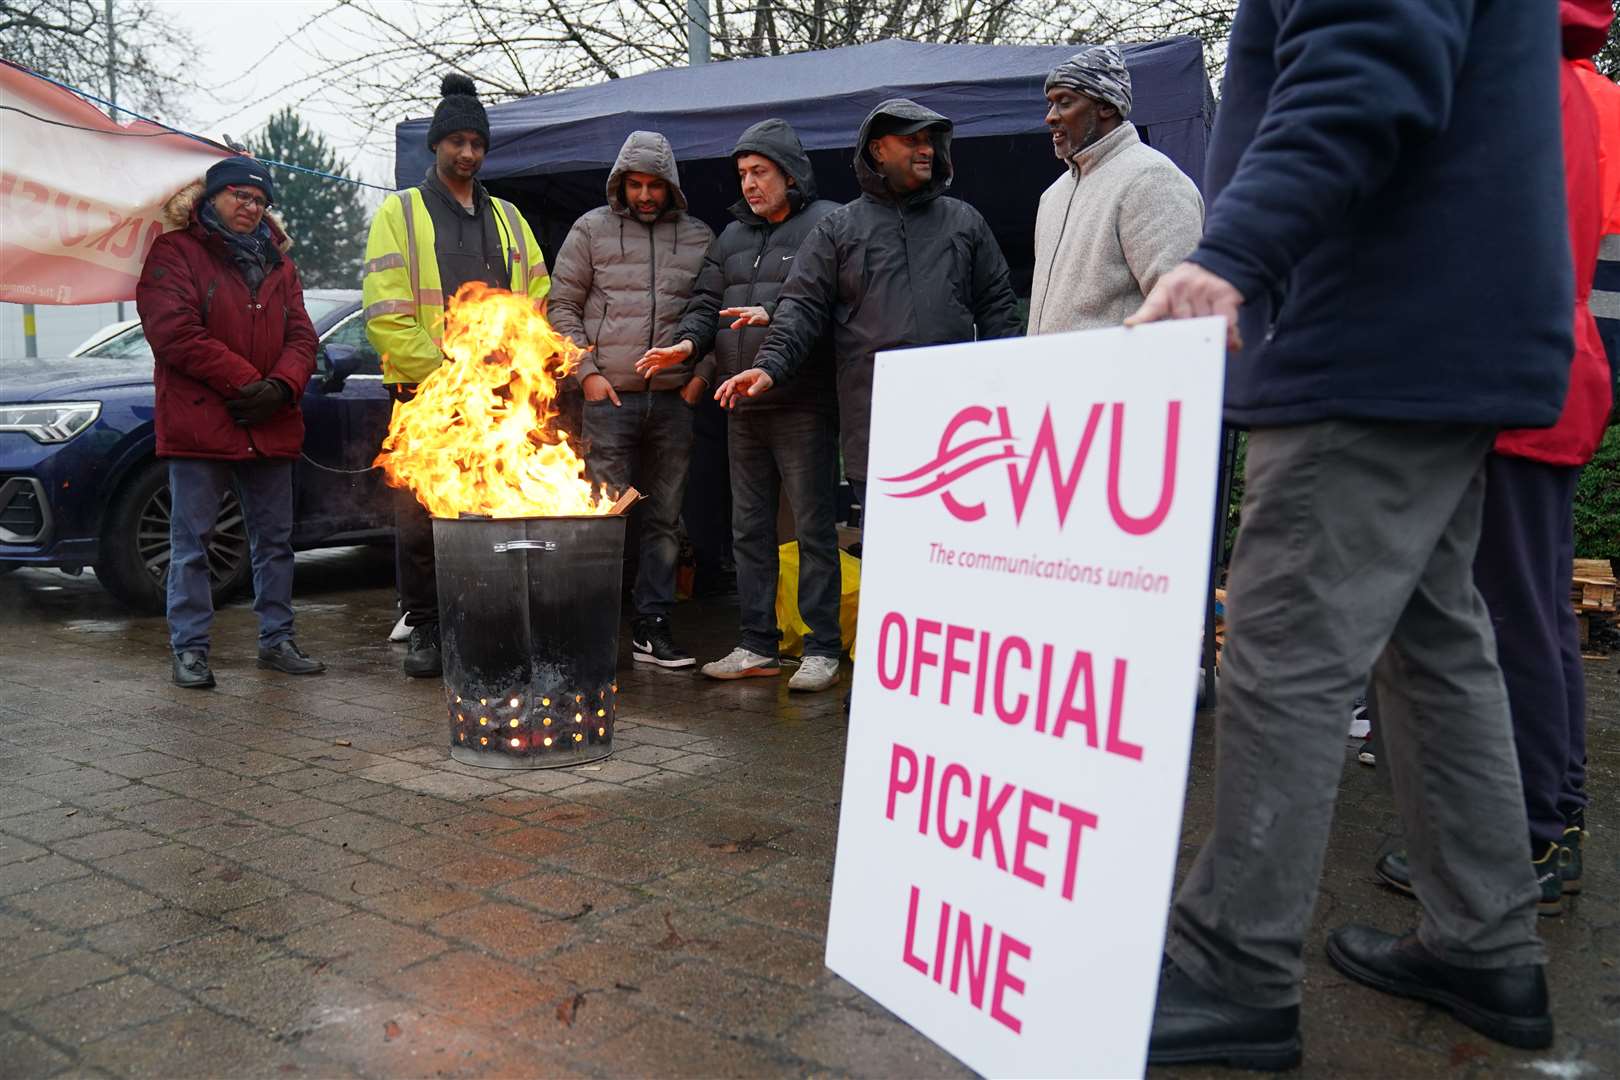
point(529, 622)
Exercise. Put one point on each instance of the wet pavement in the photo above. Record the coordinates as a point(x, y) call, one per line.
point(288, 877)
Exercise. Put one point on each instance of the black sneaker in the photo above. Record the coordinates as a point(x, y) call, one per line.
point(1393, 871)
point(1570, 849)
point(423, 661)
point(651, 643)
point(1549, 870)
point(191, 670)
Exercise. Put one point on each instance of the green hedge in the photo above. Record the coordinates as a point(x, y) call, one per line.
point(1597, 503)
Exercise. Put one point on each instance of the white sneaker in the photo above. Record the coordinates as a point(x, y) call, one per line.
point(400, 632)
point(815, 673)
point(1360, 724)
point(739, 663)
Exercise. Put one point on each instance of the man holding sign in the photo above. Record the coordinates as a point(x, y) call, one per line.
point(1352, 144)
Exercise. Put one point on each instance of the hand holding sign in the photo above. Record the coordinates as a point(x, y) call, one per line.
point(1190, 292)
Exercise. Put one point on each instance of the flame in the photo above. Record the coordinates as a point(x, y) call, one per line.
point(479, 436)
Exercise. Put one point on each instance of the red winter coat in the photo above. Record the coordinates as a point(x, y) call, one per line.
point(210, 337)
point(1575, 437)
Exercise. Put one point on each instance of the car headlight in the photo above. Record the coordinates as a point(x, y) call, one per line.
point(50, 421)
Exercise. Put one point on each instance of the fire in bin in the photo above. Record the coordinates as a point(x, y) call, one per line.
point(529, 553)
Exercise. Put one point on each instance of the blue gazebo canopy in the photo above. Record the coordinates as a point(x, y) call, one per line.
point(551, 153)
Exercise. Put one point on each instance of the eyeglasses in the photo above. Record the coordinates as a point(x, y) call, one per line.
point(247, 198)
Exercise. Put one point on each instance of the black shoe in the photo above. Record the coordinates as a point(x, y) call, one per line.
point(1508, 1005)
point(1570, 849)
point(423, 661)
point(651, 643)
point(1393, 871)
point(287, 657)
point(1550, 876)
point(191, 670)
point(1192, 1025)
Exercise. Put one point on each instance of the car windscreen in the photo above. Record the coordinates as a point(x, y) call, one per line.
point(132, 344)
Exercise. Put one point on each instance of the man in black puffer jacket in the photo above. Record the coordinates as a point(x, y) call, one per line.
point(901, 266)
point(788, 439)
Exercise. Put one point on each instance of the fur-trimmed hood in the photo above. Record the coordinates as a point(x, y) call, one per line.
point(181, 211)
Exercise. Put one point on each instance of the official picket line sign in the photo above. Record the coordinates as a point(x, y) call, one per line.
point(1035, 571)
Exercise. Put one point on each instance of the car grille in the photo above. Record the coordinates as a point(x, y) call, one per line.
point(23, 517)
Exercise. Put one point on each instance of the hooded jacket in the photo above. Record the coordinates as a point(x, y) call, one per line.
point(1385, 188)
point(620, 284)
point(211, 335)
point(747, 265)
point(889, 272)
point(1575, 437)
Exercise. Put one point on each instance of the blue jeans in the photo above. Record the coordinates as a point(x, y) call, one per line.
point(196, 487)
point(792, 452)
point(645, 440)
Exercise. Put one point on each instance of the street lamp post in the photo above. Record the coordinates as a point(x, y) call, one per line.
point(697, 32)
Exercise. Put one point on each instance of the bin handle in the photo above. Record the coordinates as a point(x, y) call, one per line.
point(525, 545)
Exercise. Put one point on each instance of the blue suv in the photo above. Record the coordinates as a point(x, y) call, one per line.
point(80, 483)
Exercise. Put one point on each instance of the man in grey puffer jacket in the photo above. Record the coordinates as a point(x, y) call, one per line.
point(619, 286)
point(1121, 215)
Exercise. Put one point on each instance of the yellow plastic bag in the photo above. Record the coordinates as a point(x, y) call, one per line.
point(794, 628)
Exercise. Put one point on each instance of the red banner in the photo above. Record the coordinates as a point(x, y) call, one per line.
point(81, 196)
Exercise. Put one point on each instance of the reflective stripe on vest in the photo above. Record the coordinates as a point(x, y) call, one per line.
point(391, 261)
point(389, 307)
point(514, 226)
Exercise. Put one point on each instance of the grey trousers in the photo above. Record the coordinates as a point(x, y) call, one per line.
point(1356, 553)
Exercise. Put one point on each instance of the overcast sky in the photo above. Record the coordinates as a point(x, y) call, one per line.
point(270, 41)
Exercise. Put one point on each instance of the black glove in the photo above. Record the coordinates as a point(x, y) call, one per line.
point(259, 401)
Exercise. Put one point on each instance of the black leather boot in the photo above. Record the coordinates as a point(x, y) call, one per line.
point(1505, 1004)
point(1193, 1025)
point(191, 670)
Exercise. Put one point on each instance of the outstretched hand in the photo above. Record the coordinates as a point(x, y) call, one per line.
point(750, 383)
point(746, 316)
point(1190, 292)
point(655, 360)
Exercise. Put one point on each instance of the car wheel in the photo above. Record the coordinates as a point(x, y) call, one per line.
point(135, 544)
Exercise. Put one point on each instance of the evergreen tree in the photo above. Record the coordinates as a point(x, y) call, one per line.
point(326, 219)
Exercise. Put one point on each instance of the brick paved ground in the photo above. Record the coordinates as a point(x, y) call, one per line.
point(288, 877)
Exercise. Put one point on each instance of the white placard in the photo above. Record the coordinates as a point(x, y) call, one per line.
point(1035, 571)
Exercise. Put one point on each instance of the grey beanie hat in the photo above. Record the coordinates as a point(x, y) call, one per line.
point(1097, 71)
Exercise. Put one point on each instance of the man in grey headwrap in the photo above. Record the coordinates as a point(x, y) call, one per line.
point(1120, 216)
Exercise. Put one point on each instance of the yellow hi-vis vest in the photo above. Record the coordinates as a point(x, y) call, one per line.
point(404, 306)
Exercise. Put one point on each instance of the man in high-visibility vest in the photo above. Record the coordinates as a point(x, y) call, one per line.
point(426, 242)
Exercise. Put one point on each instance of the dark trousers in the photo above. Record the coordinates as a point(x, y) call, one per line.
point(1523, 568)
point(708, 512)
point(645, 440)
point(414, 568)
point(776, 451)
point(196, 487)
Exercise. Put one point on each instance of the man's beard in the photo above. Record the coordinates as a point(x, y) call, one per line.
point(647, 217)
point(1086, 140)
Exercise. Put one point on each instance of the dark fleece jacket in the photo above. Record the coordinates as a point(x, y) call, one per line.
point(1386, 190)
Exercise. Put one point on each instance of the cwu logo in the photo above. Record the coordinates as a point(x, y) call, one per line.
point(977, 438)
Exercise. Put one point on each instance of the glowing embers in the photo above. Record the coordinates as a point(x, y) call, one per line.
point(516, 724)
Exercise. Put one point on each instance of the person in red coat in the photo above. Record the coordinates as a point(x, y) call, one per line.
point(1526, 547)
point(223, 309)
